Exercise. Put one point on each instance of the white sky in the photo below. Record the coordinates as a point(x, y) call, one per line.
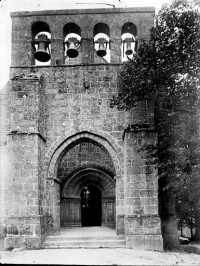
point(7, 6)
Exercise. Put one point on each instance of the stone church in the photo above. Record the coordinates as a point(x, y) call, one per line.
point(67, 158)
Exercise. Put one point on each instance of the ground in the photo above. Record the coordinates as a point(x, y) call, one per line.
point(104, 256)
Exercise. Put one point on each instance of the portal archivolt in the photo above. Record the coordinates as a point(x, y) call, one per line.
point(86, 169)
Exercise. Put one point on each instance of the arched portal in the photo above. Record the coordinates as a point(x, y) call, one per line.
point(86, 164)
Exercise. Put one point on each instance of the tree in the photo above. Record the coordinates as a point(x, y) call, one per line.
point(166, 68)
point(185, 216)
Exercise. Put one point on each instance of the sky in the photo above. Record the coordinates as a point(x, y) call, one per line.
point(7, 6)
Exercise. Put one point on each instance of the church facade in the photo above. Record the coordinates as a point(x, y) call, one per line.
point(68, 158)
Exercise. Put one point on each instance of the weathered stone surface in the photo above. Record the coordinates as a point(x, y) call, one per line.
point(144, 242)
point(59, 133)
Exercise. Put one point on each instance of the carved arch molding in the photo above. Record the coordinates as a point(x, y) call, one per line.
point(86, 164)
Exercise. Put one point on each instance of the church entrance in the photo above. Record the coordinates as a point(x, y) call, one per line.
point(91, 205)
point(87, 185)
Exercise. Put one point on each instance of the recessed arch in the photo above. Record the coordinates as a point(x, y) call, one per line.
point(105, 178)
point(82, 152)
point(129, 27)
point(41, 43)
point(39, 26)
point(73, 185)
point(101, 28)
point(101, 34)
point(68, 143)
point(72, 40)
point(94, 167)
point(73, 211)
point(129, 41)
point(71, 28)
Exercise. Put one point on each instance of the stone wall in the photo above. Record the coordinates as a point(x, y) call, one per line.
point(142, 223)
point(20, 194)
point(50, 108)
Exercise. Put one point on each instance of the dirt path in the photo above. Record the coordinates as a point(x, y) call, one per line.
point(98, 257)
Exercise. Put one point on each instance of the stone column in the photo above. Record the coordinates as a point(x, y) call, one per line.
point(23, 180)
point(87, 51)
point(51, 207)
point(142, 223)
point(57, 52)
point(57, 46)
point(120, 205)
point(115, 44)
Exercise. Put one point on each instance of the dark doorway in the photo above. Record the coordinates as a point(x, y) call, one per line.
point(91, 206)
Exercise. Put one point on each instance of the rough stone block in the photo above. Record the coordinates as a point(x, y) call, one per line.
point(12, 230)
point(145, 242)
point(26, 230)
point(151, 209)
point(120, 225)
point(13, 242)
point(3, 231)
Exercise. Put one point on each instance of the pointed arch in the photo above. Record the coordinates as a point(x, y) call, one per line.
point(73, 140)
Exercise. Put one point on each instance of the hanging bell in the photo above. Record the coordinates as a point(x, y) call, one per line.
point(102, 47)
point(42, 54)
point(72, 46)
point(129, 51)
point(128, 42)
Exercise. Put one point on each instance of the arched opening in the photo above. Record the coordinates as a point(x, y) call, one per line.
point(128, 40)
point(41, 43)
point(87, 187)
point(68, 172)
point(102, 41)
point(91, 206)
point(72, 42)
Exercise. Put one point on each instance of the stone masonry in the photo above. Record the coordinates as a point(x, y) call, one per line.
point(60, 135)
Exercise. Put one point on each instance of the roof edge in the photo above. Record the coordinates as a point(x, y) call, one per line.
point(83, 11)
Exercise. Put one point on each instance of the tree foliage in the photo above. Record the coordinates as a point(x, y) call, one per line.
point(185, 217)
point(161, 61)
point(166, 68)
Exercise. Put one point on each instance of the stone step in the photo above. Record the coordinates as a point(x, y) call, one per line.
point(84, 247)
point(84, 242)
point(77, 238)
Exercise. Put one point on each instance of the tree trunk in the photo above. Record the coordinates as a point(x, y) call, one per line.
point(191, 228)
point(169, 232)
point(166, 197)
point(168, 217)
point(191, 223)
point(181, 228)
point(197, 223)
